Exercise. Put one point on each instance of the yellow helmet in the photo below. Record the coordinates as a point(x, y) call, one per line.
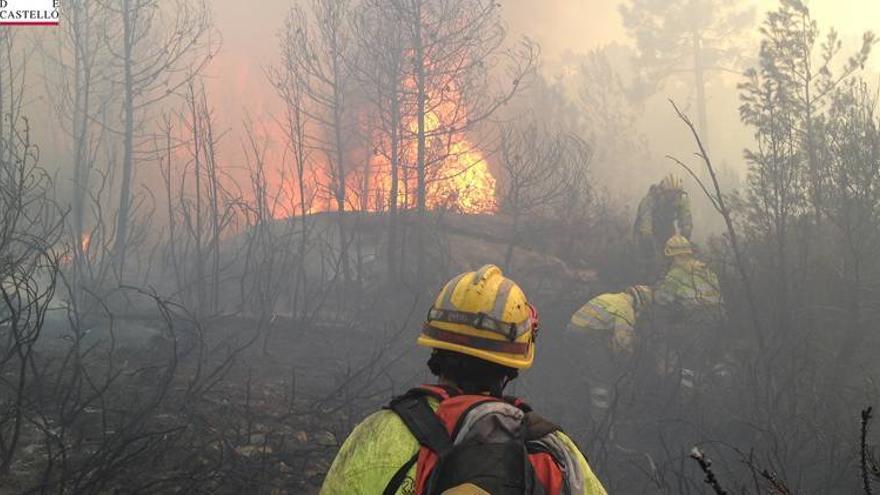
point(642, 296)
point(678, 245)
point(671, 182)
point(485, 315)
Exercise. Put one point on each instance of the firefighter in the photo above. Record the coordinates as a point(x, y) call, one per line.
point(689, 287)
point(665, 211)
point(482, 332)
point(688, 308)
point(614, 315)
point(608, 324)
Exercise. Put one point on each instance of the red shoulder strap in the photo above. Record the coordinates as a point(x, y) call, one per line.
point(548, 472)
point(439, 392)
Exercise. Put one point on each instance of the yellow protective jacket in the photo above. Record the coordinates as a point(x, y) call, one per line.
point(611, 314)
point(382, 443)
point(690, 286)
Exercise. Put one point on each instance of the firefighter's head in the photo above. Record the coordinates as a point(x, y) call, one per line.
point(482, 329)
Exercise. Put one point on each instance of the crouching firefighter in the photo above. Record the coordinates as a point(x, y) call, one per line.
point(462, 435)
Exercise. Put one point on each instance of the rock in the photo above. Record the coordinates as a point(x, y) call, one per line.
point(301, 437)
point(252, 450)
point(326, 439)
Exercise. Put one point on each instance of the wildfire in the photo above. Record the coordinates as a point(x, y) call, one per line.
point(67, 258)
point(465, 183)
point(85, 242)
point(458, 176)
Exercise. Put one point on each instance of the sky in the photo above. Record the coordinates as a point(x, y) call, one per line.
point(250, 42)
point(579, 25)
point(558, 25)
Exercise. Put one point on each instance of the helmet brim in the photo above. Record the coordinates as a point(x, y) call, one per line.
point(519, 362)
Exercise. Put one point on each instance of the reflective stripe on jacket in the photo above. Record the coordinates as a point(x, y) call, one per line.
point(690, 285)
point(381, 444)
point(608, 313)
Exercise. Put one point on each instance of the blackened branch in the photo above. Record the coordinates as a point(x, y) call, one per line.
point(706, 466)
point(863, 448)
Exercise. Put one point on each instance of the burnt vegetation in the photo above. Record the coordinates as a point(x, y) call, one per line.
point(176, 318)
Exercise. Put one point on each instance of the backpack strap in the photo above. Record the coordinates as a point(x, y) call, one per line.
point(415, 412)
point(423, 423)
point(400, 475)
point(439, 392)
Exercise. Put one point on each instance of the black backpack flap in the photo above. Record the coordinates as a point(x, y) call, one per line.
point(538, 427)
point(497, 468)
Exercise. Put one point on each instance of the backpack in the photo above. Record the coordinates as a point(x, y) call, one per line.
point(476, 442)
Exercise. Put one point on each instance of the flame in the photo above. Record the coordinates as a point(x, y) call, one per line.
point(458, 176)
point(67, 258)
point(85, 242)
point(465, 183)
point(461, 181)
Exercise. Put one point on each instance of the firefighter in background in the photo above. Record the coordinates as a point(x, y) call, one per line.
point(462, 435)
point(664, 212)
point(688, 309)
point(689, 290)
point(608, 321)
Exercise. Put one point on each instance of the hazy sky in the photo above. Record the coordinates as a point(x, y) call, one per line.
point(238, 87)
point(250, 34)
point(581, 24)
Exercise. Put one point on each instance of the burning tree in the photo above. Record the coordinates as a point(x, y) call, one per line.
point(395, 93)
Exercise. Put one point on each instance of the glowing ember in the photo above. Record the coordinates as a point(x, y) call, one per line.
point(67, 258)
point(84, 243)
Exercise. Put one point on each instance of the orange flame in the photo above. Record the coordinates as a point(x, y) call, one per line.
point(458, 177)
point(461, 180)
point(67, 258)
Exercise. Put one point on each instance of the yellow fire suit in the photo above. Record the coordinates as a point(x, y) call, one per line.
point(689, 287)
point(608, 313)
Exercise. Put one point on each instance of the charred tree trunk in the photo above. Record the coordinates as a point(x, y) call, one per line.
point(421, 143)
point(393, 193)
point(80, 117)
point(339, 150)
point(128, 138)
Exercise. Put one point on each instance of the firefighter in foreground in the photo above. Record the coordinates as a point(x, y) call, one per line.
point(461, 435)
point(664, 212)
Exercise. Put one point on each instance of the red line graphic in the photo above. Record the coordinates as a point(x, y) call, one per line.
point(19, 23)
